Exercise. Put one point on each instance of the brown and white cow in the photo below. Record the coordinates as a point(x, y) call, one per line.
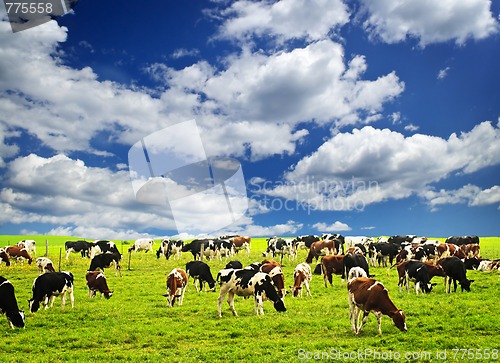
point(302, 276)
point(369, 295)
point(44, 264)
point(273, 269)
point(18, 253)
point(332, 265)
point(96, 281)
point(471, 250)
point(177, 281)
point(321, 248)
point(4, 257)
point(241, 243)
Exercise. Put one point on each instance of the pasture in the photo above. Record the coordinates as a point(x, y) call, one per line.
point(136, 324)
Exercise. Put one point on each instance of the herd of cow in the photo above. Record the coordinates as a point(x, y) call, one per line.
point(417, 259)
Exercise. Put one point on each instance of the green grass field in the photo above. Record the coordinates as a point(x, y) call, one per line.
point(136, 324)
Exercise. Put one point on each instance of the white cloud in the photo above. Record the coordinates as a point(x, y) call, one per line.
point(443, 73)
point(411, 127)
point(352, 170)
point(284, 20)
point(469, 194)
point(428, 21)
point(334, 227)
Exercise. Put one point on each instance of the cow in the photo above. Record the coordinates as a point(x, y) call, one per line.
point(455, 271)
point(103, 246)
point(177, 281)
point(96, 282)
point(29, 244)
point(78, 246)
point(142, 244)
point(351, 241)
point(432, 270)
point(305, 242)
point(273, 269)
point(369, 295)
point(8, 304)
point(302, 276)
point(448, 250)
point(354, 260)
point(418, 272)
point(105, 260)
point(225, 248)
point(200, 271)
point(240, 243)
point(320, 248)
point(462, 240)
point(247, 283)
point(18, 253)
point(471, 250)
point(4, 257)
point(44, 264)
point(234, 264)
point(195, 247)
point(279, 246)
point(49, 285)
point(399, 239)
point(382, 251)
point(356, 272)
point(338, 239)
point(174, 247)
point(332, 264)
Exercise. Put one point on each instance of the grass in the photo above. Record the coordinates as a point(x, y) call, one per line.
point(136, 325)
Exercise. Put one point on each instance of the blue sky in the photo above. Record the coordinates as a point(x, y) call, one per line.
point(367, 117)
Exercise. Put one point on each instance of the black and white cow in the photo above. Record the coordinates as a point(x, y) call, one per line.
point(105, 260)
point(200, 271)
point(462, 240)
point(417, 271)
point(247, 282)
point(171, 248)
point(225, 248)
point(195, 247)
point(382, 251)
point(354, 260)
point(455, 271)
point(49, 285)
point(340, 241)
point(8, 304)
point(279, 246)
point(78, 246)
point(305, 242)
point(44, 264)
point(103, 246)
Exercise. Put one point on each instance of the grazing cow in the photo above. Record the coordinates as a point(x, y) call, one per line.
point(29, 244)
point(382, 251)
point(78, 246)
point(105, 260)
point(177, 281)
point(142, 244)
point(8, 304)
point(240, 243)
point(49, 285)
point(320, 248)
point(103, 246)
point(96, 281)
point(18, 253)
point(368, 295)
point(279, 246)
point(354, 260)
point(225, 248)
point(302, 276)
point(418, 272)
point(432, 270)
point(305, 242)
point(234, 264)
point(332, 264)
point(200, 271)
point(246, 283)
point(4, 257)
point(174, 247)
point(455, 271)
point(44, 265)
point(196, 246)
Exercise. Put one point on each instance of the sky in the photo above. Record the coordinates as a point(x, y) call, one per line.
point(363, 117)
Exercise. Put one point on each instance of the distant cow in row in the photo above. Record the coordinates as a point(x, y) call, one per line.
point(96, 282)
point(352, 260)
point(240, 243)
point(419, 272)
point(169, 248)
point(320, 248)
point(201, 273)
point(78, 246)
point(177, 281)
point(279, 246)
point(103, 247)
point(8, 304)
point(18, 253)
point(302, 276)
point(105, 260)
point(305, 242)
point(368, 295)
point(49, 285)
point(4, 257)
point(462, 240)
point(142, 244)
point(44, 264)
point(247, 283)
point(29, 244)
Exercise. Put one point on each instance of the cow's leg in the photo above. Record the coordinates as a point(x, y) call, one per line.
point(379, 322)
point(353, 313)
point(230, 301)
point(363, 321)
point(220, 299)
point(454, 285)
point(308, 292)
point(49, 302)
point(67, 254)
point(195, 283)
point(407, 282)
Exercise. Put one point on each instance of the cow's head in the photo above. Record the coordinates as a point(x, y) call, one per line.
point(279, 305)
point(108, 293)
point(34, 305)
point(399, 318)
point(465, 284)
point(15, 318)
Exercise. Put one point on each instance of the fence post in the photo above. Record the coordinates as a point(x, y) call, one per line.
point(46, 248)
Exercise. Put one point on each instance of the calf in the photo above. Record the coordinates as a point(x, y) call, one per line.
point(4, 257)
point(8, 304)
point(176, 286)
point(96, 281)
point(78, 246)
point(455, 271)
point(49, 285)
point(18, 253)
point(302, 276)
point(200, 271)
point(44, 264)
point(332, 265)
point(247, 282)
point(368, 295)
point(105, 260)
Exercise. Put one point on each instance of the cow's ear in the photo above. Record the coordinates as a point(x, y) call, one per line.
point(434, 284)
point(471, 281)
point(166, 295)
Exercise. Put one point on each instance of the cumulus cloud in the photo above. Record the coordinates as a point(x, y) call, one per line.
point(469, 194)
point(334, 227)
point(352, 170)
point(428, 21)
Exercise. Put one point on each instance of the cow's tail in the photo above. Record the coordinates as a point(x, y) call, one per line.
point(388, 269)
